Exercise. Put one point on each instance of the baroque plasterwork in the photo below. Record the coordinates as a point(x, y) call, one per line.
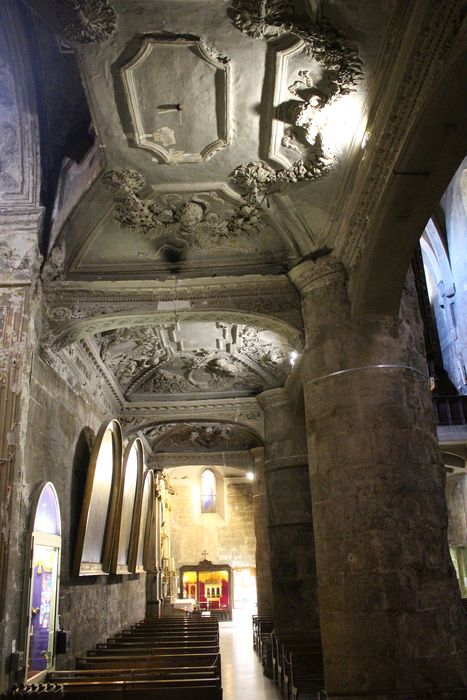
point(203, 221)
point(223, 460)
point(19, 136)
point(77, 366)
point(75, 310)
point(436, 29)
point(90, 20)
point(322, 45)
point(200, 437)
point(191, 358)
point(21, 213)
point(178, 127)
point(244, 411)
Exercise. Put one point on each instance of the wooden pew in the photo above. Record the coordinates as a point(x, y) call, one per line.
point(301, 668)
point(152, 659)
point(148, 661)
point(149, 690)
point(283, 644)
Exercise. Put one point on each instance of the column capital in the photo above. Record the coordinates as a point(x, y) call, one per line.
point(272, 398)
point(257, 453)
point(312, 274)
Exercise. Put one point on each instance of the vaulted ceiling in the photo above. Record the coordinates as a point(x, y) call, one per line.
point(231, 140)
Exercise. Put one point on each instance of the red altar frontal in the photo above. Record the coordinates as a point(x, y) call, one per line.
point(208, 584)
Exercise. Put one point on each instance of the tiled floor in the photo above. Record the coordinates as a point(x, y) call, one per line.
point(242, 673)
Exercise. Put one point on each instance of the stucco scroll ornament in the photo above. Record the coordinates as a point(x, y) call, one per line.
point(270, 19)
point(256, 180)
point(93, 20)
point(190, 220)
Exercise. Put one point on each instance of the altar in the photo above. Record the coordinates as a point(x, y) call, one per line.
point(208, 584)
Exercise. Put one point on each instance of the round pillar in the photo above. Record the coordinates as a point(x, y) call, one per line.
point(392, 622)
point(290, 522)
point(263, 554)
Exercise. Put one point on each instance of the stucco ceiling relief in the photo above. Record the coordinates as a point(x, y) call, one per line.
point(177, 92)
point(328, 69)
point(192, 358)
point(173, 220)
point(200, 437)
point(88, 20)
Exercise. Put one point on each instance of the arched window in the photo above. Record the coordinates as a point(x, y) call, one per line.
point(44, 572)
point(208, 492)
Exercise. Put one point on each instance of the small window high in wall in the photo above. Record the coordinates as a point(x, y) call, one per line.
point(208, 492)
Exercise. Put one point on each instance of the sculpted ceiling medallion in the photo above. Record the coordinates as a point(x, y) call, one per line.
point(177, 91)
point(193, 358)
point(200, 437)
point(92, 20)
point(202, 221)
point(330, 69)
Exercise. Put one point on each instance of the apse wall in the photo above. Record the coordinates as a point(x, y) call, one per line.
point(227, 541)
point(57, 449)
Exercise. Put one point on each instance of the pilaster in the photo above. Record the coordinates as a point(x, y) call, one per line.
point(290, 522)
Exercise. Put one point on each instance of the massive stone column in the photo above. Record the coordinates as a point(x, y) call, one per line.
point(290, 523)
point(263, 554)
point(391, 617)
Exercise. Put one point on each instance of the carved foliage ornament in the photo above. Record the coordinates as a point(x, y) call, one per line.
point(270, 19)
point(92, 20)
point(191, 220)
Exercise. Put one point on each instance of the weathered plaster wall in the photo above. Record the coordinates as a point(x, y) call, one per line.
point(230, 541)
point(57, 449)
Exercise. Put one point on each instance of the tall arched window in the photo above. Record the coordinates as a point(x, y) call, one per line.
point(208, 492)
point(44, 572)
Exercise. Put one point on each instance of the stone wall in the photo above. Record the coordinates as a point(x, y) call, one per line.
point(56, 448)
point(227, 541)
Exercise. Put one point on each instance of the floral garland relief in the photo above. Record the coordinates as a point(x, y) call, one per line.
point(271, 19)
point(183, 221)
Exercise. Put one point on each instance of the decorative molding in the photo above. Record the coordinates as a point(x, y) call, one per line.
point(90, 21)
point(200, 436)
point(234, 459)
point(221, 358)
point(19, 129)
point(194, 220)
point(178, 123)
point(75, 310)
point(432, 31)
point(78, 367)
point(271, 19)
point(14, 311)
point(313, 274)
point(243, 411)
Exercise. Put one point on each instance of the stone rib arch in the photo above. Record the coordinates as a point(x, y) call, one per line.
point(434, 148)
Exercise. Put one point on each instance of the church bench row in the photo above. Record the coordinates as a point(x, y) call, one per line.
point(139, 648)
point(282, 647)
point(303, 673)
point(150, 661)
point(144, 662)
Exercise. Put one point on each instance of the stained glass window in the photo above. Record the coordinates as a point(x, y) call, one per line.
point(208, 492)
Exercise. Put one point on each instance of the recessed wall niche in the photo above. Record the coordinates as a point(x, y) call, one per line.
point(93, 548)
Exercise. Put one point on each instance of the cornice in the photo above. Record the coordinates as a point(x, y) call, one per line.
point(74, 310)
point(244, 411)
point(313, 274)
point(240, 459)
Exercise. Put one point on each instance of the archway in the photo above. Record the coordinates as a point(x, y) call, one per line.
point(42, 589)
